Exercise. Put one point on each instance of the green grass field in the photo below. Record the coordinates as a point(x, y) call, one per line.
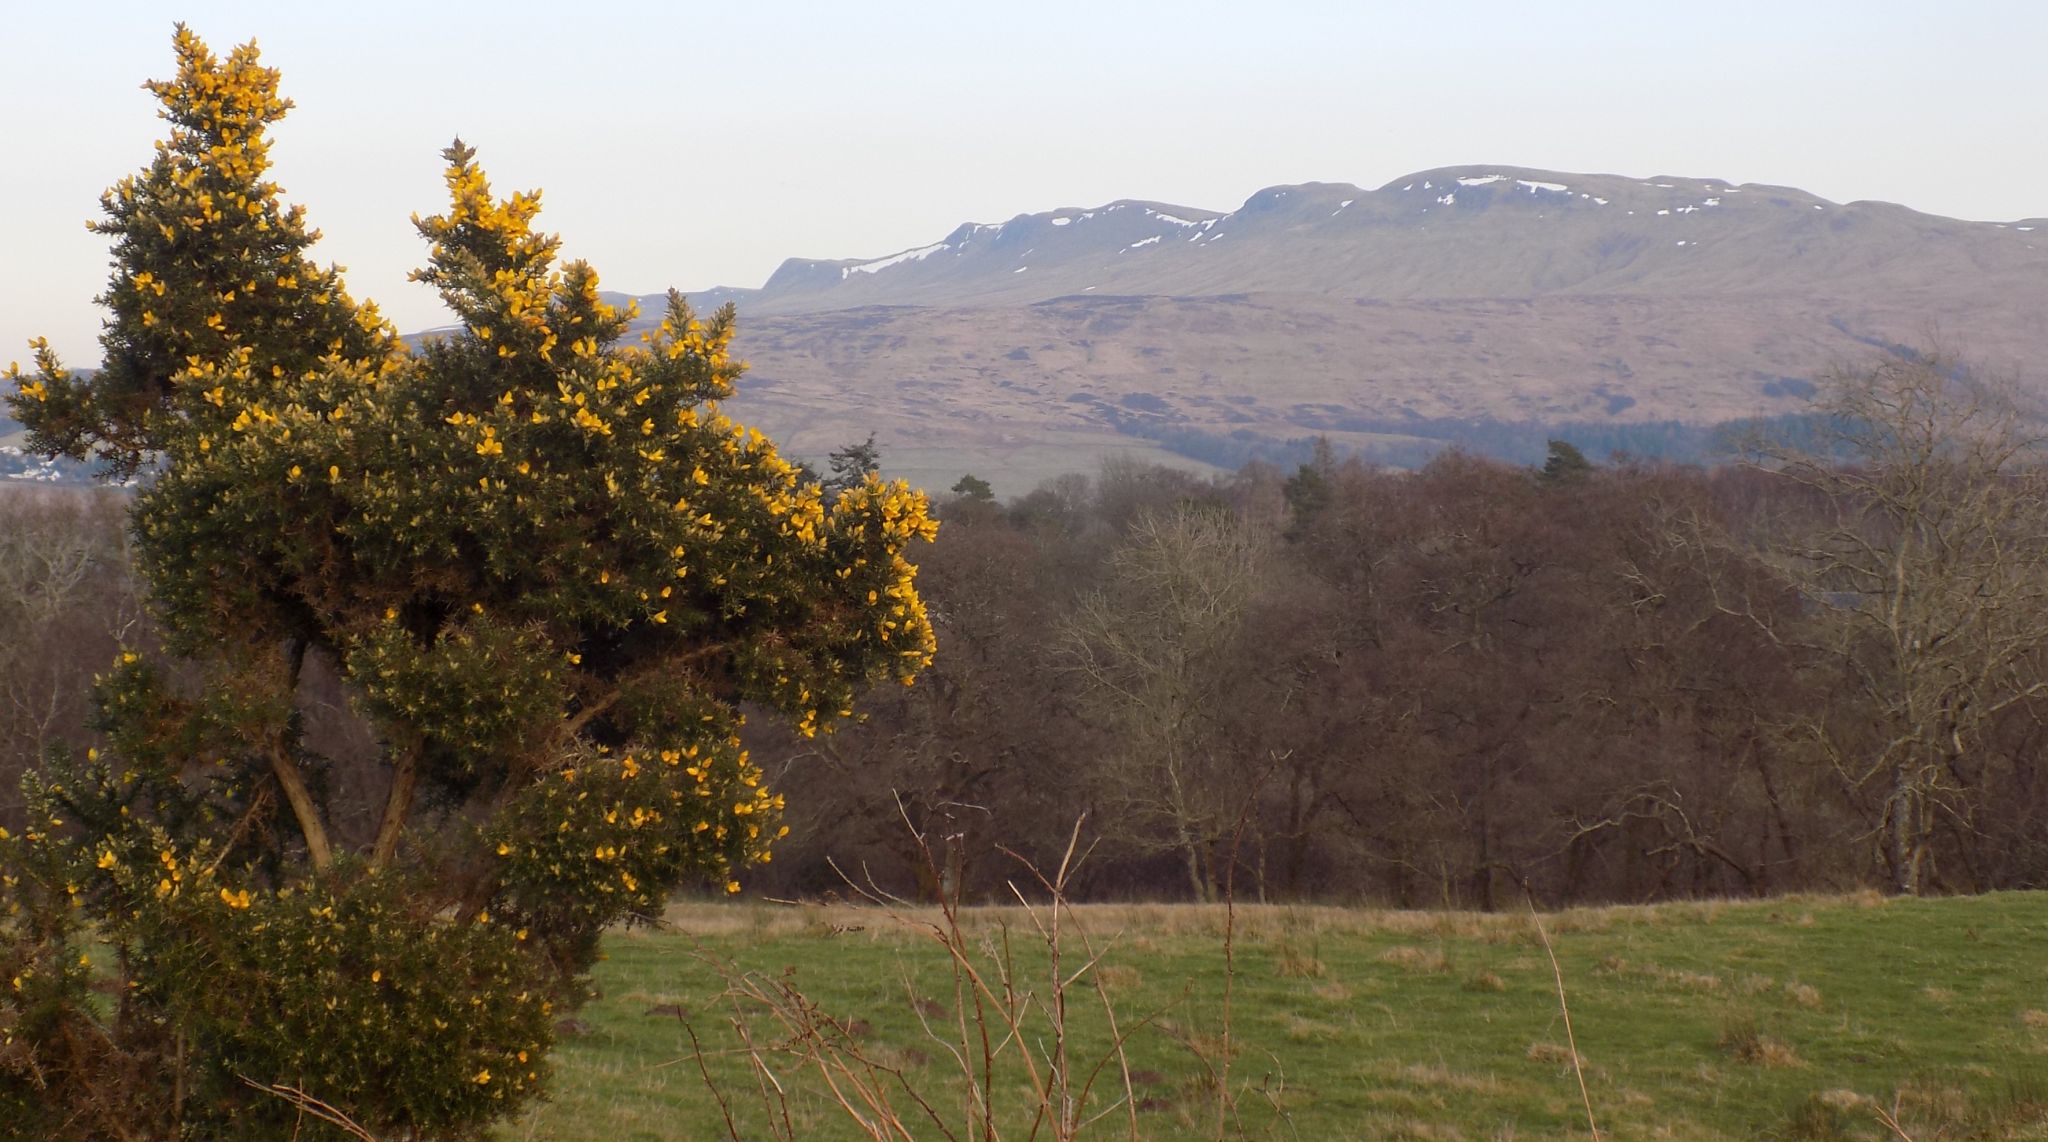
point(1795, 1018)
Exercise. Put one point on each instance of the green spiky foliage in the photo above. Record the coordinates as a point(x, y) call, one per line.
point(546, 569)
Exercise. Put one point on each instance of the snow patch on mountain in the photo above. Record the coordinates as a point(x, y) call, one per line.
point(880, 264)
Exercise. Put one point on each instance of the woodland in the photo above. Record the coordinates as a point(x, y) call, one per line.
point(1448, 687)
point(1456, 686)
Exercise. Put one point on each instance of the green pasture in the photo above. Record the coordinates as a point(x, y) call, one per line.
point(1796, 1018)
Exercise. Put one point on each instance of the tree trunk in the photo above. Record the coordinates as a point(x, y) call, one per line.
point(1198, 879)
point(1906, 847)
point(397, 806)
point(304, 810)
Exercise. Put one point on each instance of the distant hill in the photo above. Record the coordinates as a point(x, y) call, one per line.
point(1466, 304)
point(1484, 306)
point(1456, 232)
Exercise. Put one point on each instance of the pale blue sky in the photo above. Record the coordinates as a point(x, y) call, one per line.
point(696, 144)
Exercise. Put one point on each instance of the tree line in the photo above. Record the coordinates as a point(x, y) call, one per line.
point(1817, 670)
point(1607, 682)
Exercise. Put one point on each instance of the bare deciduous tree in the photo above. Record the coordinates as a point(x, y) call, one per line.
point(1924, 562)
point(1152, 649)
point(68, 598)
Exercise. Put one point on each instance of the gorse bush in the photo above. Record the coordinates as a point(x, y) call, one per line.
point(545, 567)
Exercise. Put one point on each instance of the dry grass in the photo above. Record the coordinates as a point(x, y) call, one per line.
point(1294, 963)
point(1273, 924)
point(1842, 1099)
point(1416, 959)
point(1331, 992)
point(1675, 977)
point(1303, 1030)
point(1765, 1051)
point(1803, 995)
point(1743, 1041)
point(1439, 1076)
point(1548, 1052)
point(1119, 977)
point(1933, 1104)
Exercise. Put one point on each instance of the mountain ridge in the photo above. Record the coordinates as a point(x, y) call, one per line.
point(1658, 234)
point(1475, 305)
point(1463, 305)
point(1467, 305)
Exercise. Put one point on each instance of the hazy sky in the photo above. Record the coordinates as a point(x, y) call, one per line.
point(697, 144)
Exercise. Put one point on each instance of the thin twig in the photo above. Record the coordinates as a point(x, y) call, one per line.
point(1571, 1041)
point(1890, 1119)
point(307, 1104)
point(724, 1108)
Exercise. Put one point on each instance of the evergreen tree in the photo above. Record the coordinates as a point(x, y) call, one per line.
point(1565, 464)
point(549, 572)
point(1308, 491)
point(851, 466)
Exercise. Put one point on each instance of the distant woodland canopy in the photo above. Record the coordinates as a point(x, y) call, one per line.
point(1420, 690)
point(1411, 442)
point(1613, 682)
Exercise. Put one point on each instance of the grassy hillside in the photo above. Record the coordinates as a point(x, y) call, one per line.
point(1796, 1018)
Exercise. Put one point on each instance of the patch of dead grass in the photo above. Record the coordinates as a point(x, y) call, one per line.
point(1409, 1129)
point(1437, 1076)
point(1802, 994)
point(1544, 1051)
point(1843, 1099)
point(1305, 1030)
point(1119, 977)
point(1928, 1105)
point(1295, 963)
point(1411, 958)
point(1746, 1044)
point(1676, 977)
